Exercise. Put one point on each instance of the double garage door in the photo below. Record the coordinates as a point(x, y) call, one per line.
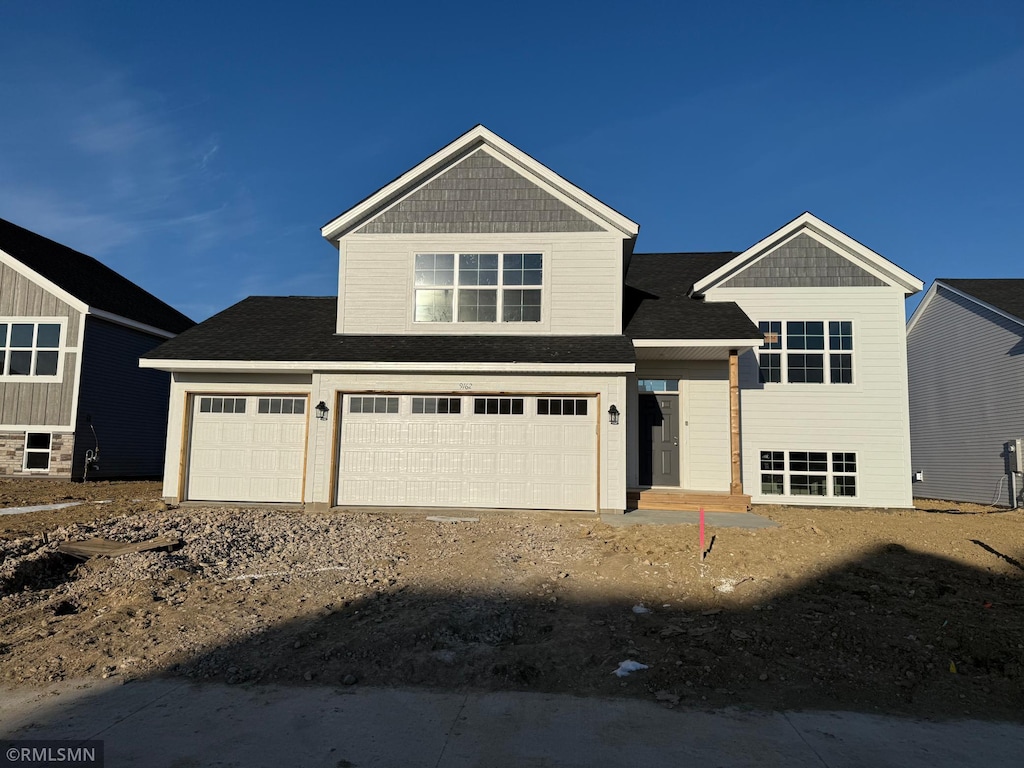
point(532, 452)
point(452, 450)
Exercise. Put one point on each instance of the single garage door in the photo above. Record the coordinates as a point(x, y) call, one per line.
point(453, 450)
point(247, 448)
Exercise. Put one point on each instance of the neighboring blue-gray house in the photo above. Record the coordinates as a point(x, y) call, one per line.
point(71, 334)
point(965, 352)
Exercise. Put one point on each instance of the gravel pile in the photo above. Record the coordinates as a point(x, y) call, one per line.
point(237, 545)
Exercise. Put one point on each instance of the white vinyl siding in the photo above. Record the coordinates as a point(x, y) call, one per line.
point(869, 417)
point(581, 294)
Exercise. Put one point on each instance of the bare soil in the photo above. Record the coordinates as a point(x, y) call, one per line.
point(915, 612)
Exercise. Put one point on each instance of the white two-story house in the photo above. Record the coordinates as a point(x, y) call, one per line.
point(496, 343)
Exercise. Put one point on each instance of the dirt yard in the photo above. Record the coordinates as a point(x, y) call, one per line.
point(916, 612)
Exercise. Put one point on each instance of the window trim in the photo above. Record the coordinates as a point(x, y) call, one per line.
point(779, 352)
point(830, 473)
point(36, 451)
point(499, 288)
point(61, 349)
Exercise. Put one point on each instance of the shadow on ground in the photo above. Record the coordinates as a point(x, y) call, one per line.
point(893, 632)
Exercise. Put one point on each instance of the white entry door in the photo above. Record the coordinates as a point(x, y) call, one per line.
point(525, 452)
point(247, 448)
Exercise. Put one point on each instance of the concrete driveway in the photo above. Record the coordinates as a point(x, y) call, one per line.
point(177, 724)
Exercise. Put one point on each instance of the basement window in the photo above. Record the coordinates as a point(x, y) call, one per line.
point(37, 451)
point(808, 473)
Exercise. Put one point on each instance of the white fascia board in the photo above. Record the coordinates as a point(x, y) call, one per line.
point(361, 367)
point(119, 320)
point(875, 263)
point(698, 343)
point(477, 135)
point(922, 305)
point(974, 300)
point(42, 282)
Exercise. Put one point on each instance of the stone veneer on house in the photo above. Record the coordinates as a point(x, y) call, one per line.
point(12, 455)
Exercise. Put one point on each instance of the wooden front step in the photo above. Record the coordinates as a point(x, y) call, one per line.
point(671, 499)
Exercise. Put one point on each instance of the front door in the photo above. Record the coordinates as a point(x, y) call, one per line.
point(659, 440)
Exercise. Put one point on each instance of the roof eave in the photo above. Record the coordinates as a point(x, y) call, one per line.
point(207, 366)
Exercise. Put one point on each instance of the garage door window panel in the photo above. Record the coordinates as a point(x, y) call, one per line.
point(222, 405)
point(498, 406)
point(282, 405)
point(433, 405)
point(561, 406)
point(361, 404)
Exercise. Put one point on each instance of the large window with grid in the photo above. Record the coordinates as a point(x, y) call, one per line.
point(30, 348)
point(809, 473)
point(478, 287)
point(806, 352)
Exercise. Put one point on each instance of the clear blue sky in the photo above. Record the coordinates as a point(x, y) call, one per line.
point(198, 147)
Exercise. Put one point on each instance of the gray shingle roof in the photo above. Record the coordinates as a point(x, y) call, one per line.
point(88, 280)
point(657, 304)
point(1006, 294)
point(302, 328)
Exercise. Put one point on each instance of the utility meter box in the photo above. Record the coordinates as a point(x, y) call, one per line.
point(1015, 449)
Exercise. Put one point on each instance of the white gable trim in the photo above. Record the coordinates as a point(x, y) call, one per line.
point(824, 233)
point(441, 160)
point(42, 282)
point(933, 290)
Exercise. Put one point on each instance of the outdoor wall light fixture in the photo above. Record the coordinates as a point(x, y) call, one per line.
point(613, 415)
point(321, 410)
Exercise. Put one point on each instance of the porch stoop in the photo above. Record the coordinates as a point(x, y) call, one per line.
point(684, 501)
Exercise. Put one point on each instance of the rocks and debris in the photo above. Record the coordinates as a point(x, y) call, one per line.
point(628, 666)
point(444, 519)
point(640, 608)
point(869, 615)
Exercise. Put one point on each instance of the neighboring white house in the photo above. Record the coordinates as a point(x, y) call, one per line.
point(965, 346)
point(71, 333)
point(495, 342)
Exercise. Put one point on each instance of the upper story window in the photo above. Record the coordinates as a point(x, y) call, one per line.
point(806, 351)
point(29, 348)
point(478, 287)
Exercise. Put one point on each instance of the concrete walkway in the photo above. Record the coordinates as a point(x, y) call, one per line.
point(172, 723)
point(673, 517)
